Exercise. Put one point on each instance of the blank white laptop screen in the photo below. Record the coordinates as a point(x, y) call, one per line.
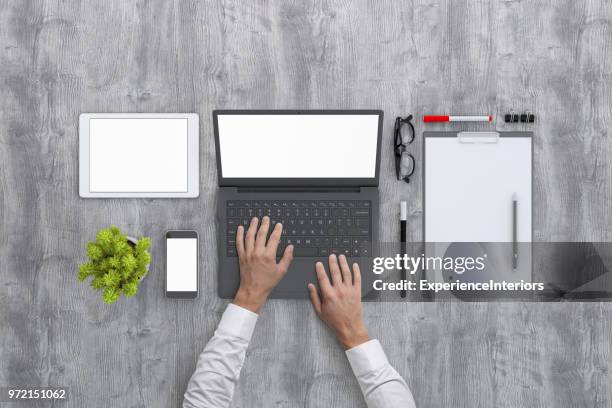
point(138, 155)
point(298, 146)
point(182, 265)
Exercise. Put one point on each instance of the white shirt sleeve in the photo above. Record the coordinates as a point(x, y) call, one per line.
point(218, 369)
point(380, 384)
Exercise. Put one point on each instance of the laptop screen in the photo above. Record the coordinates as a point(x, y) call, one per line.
point(298, 146)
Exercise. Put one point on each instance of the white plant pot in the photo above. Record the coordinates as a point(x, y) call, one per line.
point(133, 241)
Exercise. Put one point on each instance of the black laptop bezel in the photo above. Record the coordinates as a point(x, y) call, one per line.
point(298, 182)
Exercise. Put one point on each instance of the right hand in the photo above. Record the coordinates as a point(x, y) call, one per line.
point(339, 303)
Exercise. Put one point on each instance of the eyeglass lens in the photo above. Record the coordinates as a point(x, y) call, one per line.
point(406, 165)
point(406, 133)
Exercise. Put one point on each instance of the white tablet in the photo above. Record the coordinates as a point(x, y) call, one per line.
point(139, 155)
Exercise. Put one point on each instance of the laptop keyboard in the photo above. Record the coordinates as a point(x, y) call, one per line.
point(315, 228)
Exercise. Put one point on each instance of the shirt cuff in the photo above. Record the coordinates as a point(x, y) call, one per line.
point(367, 357)
point(237, 322)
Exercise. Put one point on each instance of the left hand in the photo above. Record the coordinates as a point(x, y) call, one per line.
point(259, 272)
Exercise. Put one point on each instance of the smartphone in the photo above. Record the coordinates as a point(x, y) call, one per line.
point(182, 256)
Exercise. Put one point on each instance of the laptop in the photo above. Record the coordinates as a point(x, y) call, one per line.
point(314, 171)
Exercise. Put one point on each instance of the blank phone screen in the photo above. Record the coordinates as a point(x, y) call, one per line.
point(182, 265)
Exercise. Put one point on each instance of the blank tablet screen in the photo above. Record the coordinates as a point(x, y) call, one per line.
point(140, 155)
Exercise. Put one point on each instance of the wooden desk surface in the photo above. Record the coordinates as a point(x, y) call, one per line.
point(61, 58)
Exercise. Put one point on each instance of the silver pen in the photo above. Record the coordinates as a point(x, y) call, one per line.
point(514, 231)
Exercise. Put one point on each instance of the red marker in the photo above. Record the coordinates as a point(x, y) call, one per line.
point(438, 118)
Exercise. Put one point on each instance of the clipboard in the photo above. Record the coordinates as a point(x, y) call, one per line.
point(470, 181)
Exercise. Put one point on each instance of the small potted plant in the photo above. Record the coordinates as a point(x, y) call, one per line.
point(117, 263)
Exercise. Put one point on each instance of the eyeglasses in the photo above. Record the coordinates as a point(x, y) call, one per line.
point(404, 135)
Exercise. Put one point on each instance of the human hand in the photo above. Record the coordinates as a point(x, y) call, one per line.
point(339, 303)
point(259, 272)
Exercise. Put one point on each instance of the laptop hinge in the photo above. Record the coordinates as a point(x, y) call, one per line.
point(298, 189)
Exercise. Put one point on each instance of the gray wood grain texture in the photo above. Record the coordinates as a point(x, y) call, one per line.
point(61, 58)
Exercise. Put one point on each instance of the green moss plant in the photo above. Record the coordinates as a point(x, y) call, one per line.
point(116, 265)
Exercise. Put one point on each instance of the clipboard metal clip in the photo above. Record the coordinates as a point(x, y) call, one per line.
point(478, 137)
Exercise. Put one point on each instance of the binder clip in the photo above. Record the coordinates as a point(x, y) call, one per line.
point(511, 117)
point(527, 117)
